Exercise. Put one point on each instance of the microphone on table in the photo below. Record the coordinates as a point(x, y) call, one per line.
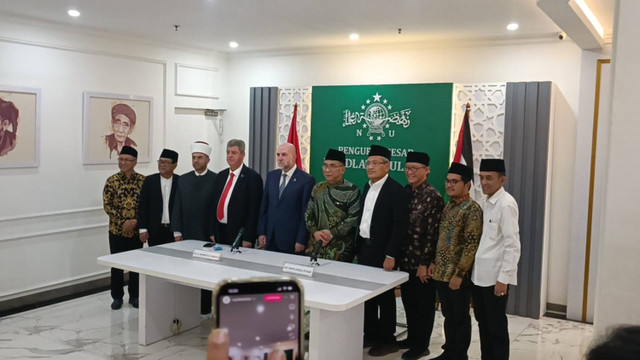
point(314, 253)
point(235, 248)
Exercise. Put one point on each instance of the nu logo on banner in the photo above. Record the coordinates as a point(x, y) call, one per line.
point(407, 117)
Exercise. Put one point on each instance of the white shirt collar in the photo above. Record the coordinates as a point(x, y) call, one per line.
point(237, 171)
point(290, 172)
point(496, 196)
point(378, 184)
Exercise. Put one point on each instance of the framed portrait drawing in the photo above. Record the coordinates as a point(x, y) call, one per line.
point(19, 127)
point(112, 121)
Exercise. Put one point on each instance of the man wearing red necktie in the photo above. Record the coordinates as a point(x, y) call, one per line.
point(237, 193)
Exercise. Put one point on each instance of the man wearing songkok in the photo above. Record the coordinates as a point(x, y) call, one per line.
point(417, 254)
point(459, 235)
point(237, 194)
point(333, 210)
point(496, 264)
point(156, 201)
point(192, 217)
point(287, 191)
point(382, 229)
point(120, 199)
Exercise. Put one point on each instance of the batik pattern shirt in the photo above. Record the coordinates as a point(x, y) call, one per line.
point(335, 208)
point(120, 199)
point(458, 239)
point(425, 210)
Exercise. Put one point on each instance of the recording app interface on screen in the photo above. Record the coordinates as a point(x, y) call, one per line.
point(261, 323)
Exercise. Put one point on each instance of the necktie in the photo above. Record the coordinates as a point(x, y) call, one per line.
point(282, 184)
point(223, 198)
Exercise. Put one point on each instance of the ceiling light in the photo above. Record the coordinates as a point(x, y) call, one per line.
point(591, 16)
point(354, 36)
point(233, 44)
point(513, 27)
point(73, 13)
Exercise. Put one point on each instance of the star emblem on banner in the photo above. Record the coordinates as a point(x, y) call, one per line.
point(376, 118)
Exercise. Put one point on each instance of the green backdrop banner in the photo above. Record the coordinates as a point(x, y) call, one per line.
point(408, 117)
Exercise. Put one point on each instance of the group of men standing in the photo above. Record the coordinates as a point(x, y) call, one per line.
point(453, 250)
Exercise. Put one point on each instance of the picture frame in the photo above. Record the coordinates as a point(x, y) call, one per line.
point(19, 127)
point(111, 121)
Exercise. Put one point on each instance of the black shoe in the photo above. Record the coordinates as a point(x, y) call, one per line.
point(414, 354)
point(134, 302)
point(443, 356)
point(403, 344)
point(116, 304)
point(382, 349)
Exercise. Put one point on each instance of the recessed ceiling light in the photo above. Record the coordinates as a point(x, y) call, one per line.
point(73, 13)
point(233, 44)
point(354, 36)
point(513, 26)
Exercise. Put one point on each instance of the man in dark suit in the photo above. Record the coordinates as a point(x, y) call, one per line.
point(383, 227)
point(287, 191)
point(237, 193)
point(156, 201)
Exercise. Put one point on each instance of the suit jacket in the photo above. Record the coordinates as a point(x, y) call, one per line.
point(150, 203)
point(244, 203)
point(389, 224)
point(283, 219)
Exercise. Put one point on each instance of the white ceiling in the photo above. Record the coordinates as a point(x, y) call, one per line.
point(282, 24)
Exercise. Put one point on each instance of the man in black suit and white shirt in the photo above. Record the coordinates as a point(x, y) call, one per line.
point(237, 193)
point(156, 201)
point(382, 229)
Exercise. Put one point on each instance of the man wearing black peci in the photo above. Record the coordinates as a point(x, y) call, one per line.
point(383, 227)
point(237, 193)
point(156, 201)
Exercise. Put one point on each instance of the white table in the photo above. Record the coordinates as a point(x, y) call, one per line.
point(171, 279)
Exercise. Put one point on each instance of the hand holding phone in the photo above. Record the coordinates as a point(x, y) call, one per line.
point(262, 316)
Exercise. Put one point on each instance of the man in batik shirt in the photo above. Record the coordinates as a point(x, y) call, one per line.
point(332, 212)
point(459, 235)
point(120, 197)
point(417, 253)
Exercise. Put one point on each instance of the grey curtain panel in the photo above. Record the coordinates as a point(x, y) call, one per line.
point(526, 144)
point(263, 122)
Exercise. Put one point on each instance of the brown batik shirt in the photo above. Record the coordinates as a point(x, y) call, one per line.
point(425, 209)
point(460, 232)
point(120, 199)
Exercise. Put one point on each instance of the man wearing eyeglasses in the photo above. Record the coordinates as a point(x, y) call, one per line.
point(459, 235)
point(332, 212)
point(156, 201)
point(383, 227)
point(120, 201)
point(418, 254)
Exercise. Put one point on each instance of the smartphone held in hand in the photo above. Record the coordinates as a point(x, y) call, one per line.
point(261, 315)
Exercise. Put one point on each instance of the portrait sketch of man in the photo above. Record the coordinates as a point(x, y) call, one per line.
point(113, 121)
point(9, 114)
point(123, 121)
point(19, 127)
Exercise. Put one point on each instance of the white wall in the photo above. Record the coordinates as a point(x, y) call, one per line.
point(618, 282)
point(556, 61)
point(51, 217)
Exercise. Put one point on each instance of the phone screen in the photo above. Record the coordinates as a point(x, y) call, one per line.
point(261, 316)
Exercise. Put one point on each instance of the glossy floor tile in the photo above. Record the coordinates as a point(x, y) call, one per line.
point(87, 329)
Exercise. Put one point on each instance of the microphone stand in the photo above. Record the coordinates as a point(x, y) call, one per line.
point(235, 248)
point(314, 253)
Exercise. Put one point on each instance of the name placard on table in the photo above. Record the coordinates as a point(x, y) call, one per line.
point(207, 255)
point(298, 269)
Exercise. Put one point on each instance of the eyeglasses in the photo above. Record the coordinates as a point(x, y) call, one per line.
point(331, 166)
point(453, 182)
point(165, 162)
point(126, 160)
point(375, 163)
point(413, 169)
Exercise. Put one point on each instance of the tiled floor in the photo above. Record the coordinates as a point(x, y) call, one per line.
point(87, 329)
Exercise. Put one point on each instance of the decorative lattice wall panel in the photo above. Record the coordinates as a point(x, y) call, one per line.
point(287, 98)
point(486, 121)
